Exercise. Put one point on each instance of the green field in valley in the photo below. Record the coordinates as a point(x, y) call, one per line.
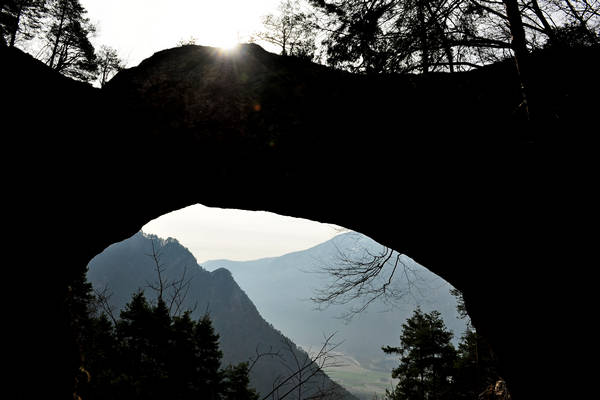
point(360, 381)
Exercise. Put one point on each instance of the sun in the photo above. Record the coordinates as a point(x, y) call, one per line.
point(222, 24)
point(225, 36)
point(227, 43)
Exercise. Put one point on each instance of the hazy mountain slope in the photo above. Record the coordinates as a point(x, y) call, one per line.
point(126, 266)
point(282, 286)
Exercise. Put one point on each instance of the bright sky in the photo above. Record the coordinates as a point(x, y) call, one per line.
point(139, 28)
point(215, 233)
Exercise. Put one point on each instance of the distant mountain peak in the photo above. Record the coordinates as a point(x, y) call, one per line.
point(126, 267)
point(157, 239)
point(222, 272)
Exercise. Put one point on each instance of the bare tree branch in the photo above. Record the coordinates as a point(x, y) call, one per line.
point(175, 290)
point(365, 278)
point(160, 285)
point(306, 368)
point(178, 292)
point(259, 355)
point(103, 299)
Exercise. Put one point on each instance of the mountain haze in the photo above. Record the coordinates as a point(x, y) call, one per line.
point(127, 266)
point(281, 287)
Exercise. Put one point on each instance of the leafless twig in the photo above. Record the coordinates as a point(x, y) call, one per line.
point(103, 300)
point(175, 290)
point(259, 355)
point(306, 367)
point(366, 277)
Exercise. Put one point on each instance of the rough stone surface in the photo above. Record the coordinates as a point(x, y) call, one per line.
point(495, 391)
point(440, 167)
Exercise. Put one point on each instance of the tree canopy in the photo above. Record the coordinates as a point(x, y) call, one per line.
point(291, 29)
point(20, 18)
point(147, 353)
point(448, 35)
point(427, 359)
point(62, 34)
point(432, 368)
point(69, 48)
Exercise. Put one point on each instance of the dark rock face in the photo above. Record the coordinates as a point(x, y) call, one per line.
point(495, 391)
point(465, 186)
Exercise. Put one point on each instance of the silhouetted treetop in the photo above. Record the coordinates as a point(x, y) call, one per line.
point(427, 35)
point(292, 29)
point(67, 39)
point(20, 19)
point(58, 33)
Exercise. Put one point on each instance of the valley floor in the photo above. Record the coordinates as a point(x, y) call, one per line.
point(363, 382)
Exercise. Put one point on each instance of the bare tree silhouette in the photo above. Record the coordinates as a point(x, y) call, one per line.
point(362, 277)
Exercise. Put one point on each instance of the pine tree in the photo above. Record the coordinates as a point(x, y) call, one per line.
point(20, 18)
point(209, 375)
point(427, 359)
point(71, 52)
point(183, 363)
point(237, 383)
point(78, 306)
point(100, 360)
point(475, 366)
point(143, 332)
point(356, 40)
point(148, 354)
point(109, 64)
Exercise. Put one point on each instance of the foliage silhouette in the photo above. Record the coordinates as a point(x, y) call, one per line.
point(67, 38)
point(427, 359)
point(62, 35)
point(291, 29)
point(20, 18)
point(431, 368)
point(109, 64)
point(149, 354)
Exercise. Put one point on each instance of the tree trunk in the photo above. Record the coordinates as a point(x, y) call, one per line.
point(15, 29)
point(423, 37)
point(2, 41)
point(519, 48)
point(540, 15)
point(447, 47)
point(104, 74)
point(58, 36)
point(582, 22)
point(63, 55)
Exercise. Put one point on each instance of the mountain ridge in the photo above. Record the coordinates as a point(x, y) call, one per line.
point(213, 261)
point(243, 331)
point(295, 277)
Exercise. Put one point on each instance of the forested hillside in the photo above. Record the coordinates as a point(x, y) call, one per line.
point(244, 336)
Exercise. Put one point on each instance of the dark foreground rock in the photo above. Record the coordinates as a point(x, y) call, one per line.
point(449, 158)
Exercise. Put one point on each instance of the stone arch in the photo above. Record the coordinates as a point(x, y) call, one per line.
point(184, 127)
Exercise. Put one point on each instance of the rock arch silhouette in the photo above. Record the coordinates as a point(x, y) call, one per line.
point(435, 167)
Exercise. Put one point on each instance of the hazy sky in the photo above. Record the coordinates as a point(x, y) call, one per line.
point(139, 28)
point(214, 233)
